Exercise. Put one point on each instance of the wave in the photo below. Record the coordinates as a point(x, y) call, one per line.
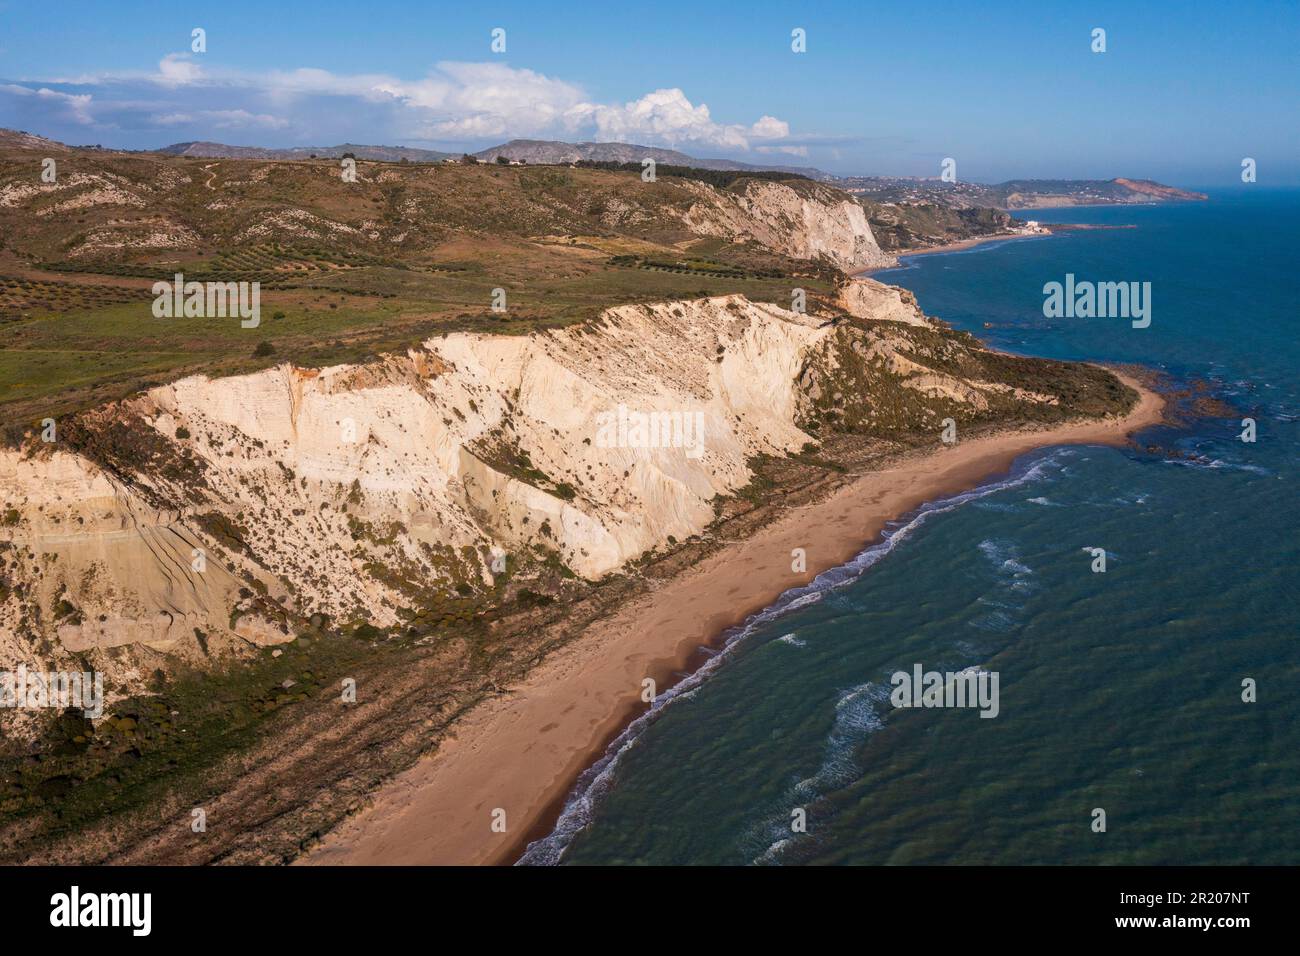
point(1215, 464)
point(596, 781)
point(1005, 558)
point(998, 621)
point(855, 718)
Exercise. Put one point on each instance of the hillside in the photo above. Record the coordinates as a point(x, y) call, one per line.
point(386, 154)
point(349, 270)
point(552, 152)
point(388, 477)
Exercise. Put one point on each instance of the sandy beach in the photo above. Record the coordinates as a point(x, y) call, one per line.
point(957, 246)
point(521, 752)
point(1052, 229)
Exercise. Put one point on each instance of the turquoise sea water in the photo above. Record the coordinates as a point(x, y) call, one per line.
point(1119, 691)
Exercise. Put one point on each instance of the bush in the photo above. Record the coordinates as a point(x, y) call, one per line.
point(530, 598)
point(263, 349)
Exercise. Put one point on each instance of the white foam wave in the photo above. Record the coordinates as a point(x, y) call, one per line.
point(855, 717)
point(1215, 464)
point(597, 779)
point(1005, 558)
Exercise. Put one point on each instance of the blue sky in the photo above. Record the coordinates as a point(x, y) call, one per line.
point(1182, 93)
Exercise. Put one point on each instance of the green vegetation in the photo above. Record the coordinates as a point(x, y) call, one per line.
point(860, 394)
point(722, 178)
point(149, 745)
point(564, 243)
point(902, 227)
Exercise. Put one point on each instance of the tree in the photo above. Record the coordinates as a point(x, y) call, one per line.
point(502, 161)
point(467, 160)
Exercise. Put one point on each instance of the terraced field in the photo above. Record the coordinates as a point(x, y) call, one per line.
point(345, 273)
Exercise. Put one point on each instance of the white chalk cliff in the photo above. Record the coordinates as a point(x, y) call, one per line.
point(807, 221)
point(329, 485)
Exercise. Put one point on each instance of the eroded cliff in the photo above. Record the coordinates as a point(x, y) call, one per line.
point(209, 515)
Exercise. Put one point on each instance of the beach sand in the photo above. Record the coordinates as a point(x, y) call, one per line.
point(956, 246)
point(521, 752)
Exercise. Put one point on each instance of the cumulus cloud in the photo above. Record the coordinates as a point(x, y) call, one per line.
point(177, 69)
point(457, 102)
point(769, 127)
point(668, 117)
point(469, 100)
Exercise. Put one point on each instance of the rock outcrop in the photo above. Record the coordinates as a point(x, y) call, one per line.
point(802, 220)
point(868, 299)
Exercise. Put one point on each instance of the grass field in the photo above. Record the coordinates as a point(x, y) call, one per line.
point(80, 344)
point(346, 271)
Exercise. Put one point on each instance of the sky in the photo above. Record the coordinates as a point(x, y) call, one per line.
point(1182, 93)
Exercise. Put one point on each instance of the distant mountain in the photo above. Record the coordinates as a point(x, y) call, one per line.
point(906, 190)
point(531, 151)
point(1014, 194)
point(554, 152)
point(1157, 191)
point(386, 154)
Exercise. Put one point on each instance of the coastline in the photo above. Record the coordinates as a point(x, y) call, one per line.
point(958, 246)
point(1048, 230)
point(523, 751)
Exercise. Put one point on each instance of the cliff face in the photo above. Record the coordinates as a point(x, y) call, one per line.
point(801, 220)
point(208, 515)
point(209, 507)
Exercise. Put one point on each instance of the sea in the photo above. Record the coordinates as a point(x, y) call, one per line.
point(1147, 713)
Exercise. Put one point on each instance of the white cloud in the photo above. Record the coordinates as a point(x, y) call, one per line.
point(468, 100)
point(667, 116)
point(177, 69)
point(223, 119)
point(74, 107)
point(456, 101)
point(787, 150)
point(242, 119)
point(769, 127)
